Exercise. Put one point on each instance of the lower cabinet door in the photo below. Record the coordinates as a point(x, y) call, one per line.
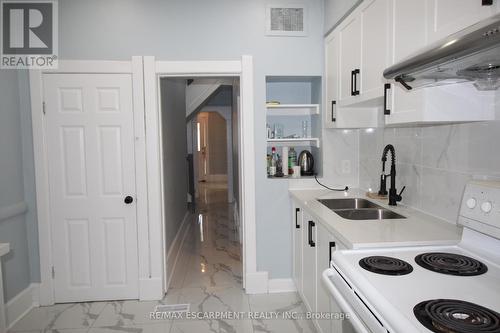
point(326, 244)
point(309, 261)
point(297, 229)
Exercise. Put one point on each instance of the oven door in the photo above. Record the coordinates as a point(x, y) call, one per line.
point(361, 317)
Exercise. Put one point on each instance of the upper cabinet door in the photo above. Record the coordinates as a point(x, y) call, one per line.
point(376, 18)
point(408, 28)
point(350, 56)
point(332, 79)
point(449, 16)
point(408, 36)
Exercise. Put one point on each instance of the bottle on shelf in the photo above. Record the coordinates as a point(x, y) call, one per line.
point(268, 161)
point(292, 160)
point(274, 161)
point(279, 166)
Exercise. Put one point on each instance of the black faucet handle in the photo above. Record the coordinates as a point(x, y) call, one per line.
point(402, 190)
point(398, 196)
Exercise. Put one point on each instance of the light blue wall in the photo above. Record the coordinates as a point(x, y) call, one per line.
point(177, 30)
point(16, 269)
point(175, 177)
point(205, 30)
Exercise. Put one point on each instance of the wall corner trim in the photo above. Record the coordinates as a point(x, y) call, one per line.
point(257, 283)
point(21, 304)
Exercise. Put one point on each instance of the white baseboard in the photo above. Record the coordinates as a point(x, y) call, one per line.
point(20, 305)
point(259, 283)
point(175, 249)
point(281, 286)
point(256, 283)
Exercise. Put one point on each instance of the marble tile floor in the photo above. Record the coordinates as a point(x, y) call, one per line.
point(208, 276)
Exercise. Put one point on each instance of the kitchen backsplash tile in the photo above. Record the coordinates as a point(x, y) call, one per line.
point(434, 163)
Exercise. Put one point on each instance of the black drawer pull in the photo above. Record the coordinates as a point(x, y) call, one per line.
point(330, 248)
point(387, 87)
point(297, 225)
point(310, 226)
point(354, 82)
point(334, 114)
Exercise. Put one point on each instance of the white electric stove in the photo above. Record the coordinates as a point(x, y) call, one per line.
point(452, 289)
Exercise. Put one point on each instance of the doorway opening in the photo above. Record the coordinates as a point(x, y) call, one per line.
point(200, 173)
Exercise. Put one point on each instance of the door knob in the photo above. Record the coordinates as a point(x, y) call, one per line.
point(128, 199)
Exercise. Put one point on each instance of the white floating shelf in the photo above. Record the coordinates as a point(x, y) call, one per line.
point(294, 142)
point(292, 109)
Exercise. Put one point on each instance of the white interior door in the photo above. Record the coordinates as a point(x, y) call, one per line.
point(90, 149)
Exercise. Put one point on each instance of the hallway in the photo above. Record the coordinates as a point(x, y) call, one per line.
point(208, 276)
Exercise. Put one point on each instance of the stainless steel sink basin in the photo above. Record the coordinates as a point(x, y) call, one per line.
point(348, 203)
point(368, 214)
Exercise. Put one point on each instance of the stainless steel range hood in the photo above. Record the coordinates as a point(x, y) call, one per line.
point(470, 55)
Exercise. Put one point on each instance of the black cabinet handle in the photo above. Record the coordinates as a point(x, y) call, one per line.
point(128, 199)
point(387, 87)
point(334, 114)
point(487, 2)
point(310, 226)
point(332, 246)
point(352, 83)
point(355, 74)
point(297, 225)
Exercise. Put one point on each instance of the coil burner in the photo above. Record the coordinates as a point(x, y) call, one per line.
point(454, 316)
point(386, 265)
point(451, 264)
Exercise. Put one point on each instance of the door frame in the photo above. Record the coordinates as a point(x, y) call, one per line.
point(135, 69)
point(145, 73)
point(243, 68)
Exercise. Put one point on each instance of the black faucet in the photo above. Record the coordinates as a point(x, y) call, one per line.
point(394, 197)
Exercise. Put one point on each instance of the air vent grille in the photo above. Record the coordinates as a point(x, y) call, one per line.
point(286, 20)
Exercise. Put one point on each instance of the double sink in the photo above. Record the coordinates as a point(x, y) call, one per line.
point(359, 209)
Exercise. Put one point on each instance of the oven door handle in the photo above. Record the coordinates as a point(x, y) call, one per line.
point(353, 317)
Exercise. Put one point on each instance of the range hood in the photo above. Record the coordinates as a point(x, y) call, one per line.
point(470, 55)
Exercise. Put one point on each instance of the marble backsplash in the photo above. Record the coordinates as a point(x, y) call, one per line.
point(434, 163)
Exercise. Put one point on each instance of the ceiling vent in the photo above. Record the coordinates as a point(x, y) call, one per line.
point(289, 20)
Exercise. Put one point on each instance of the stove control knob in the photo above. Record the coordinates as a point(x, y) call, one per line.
point(471, 203)
point(486, 206)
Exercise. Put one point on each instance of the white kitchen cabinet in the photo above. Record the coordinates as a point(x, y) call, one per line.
point(335, 116)
point(309, 237)
point(297, 247)
point(444, 104)
point(325, 245)
point(376, 19)
point(364, 52)
point(313, 245)
point(448, 16)
point(408, 36)
point(332, 48)
point(350, 57)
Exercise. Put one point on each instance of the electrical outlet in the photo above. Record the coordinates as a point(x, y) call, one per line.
point(346, 166)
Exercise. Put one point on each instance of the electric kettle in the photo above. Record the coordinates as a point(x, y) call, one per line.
point(306, 163)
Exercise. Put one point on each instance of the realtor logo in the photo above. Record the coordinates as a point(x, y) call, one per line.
point(29, 34)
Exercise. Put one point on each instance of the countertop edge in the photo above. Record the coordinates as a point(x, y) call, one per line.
point(453, 237)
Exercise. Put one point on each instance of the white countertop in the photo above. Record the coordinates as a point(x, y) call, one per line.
point(4, 248)
point(416, 230)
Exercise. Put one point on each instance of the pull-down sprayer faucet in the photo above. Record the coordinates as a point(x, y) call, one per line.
point(394, 197)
